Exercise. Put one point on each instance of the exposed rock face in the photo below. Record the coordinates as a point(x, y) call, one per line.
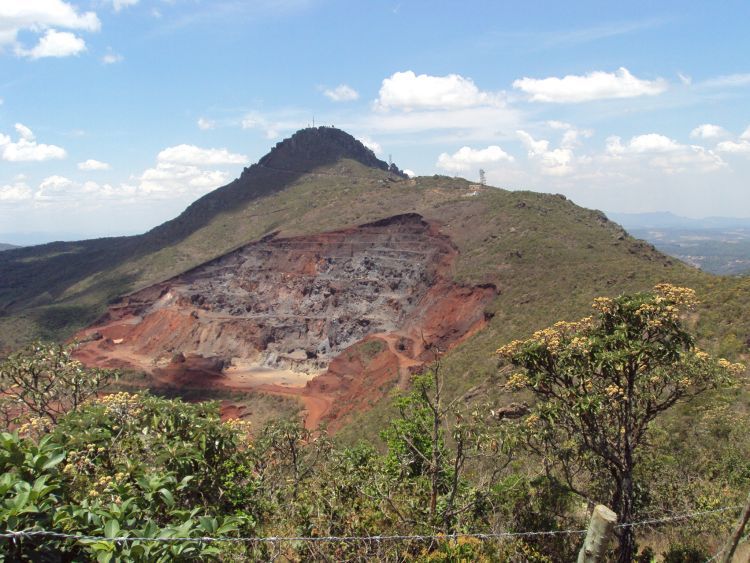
point(298, 303)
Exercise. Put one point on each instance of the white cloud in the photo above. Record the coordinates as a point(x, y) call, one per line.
point(726, 81)
point(663, 153)
point(274, 126)
point(24, 132)
point(409, 173)
point(734, 147)
point(91, 165)
point(41, 15)
point(26, 148)
point(206, 124)
point(465, 158)
point(45, 18)
point(168, 179)
point(54, 44)
point(707, 131)
point(192, 155)
point(15, 193)
point(740, 146)
point(120, 4)
point(596, 85)
point(407, 91)
point(552, 162)
point(374, 146)
point(341, 93)
point(112, 58)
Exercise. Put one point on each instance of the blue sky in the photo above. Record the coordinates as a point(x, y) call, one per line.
point(116, 114)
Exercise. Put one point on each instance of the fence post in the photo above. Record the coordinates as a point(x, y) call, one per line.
point(601, 525)
point(728, 552)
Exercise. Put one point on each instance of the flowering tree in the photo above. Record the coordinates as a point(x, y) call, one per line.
point(44, 381)
point(601, 381)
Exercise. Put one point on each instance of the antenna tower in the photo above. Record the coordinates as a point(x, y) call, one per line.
point(482, 177)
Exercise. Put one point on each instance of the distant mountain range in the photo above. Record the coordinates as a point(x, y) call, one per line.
point(667, 220)
point(4, 246)
point(720, 245)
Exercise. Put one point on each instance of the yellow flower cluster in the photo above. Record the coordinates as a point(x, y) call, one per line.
point(734, 369)
point(613, 391)
point(679, 295)
point(516, 381)
point(121, 403)
point(35, 425)
point(510, 349)
point(550, 337)
point(238, 425)
point(602, 304)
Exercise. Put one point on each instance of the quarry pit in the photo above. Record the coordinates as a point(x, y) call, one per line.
point(336, 319)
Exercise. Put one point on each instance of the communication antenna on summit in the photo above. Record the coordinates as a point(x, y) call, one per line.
point(482, 178)
point(390, 160)
point(313, 121)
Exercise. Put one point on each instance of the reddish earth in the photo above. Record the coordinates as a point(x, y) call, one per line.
point(334, 320)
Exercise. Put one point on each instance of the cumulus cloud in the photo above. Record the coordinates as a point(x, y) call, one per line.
point(465, 158)
point(408, 91)
point(341, 93)
point(54, 44)
point(45, 17)
point(206, 124)
point(374, 146)
point(596, 85)
point(192, 155)
point(707, 131)
point(92, 165)
point(552, 162)
point(112, 58)
point(15, 193)
point(168, 179)
point(409, 173)
point(26, 148)
point(663, 153)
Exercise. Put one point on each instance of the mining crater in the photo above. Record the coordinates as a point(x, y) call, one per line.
point(335, 318)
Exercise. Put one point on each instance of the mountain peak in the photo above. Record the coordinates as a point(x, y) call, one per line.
point(316, 146)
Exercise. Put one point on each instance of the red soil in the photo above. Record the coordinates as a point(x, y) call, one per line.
point(184, 339)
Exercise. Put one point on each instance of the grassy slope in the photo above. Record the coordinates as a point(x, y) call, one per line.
point(548, 257)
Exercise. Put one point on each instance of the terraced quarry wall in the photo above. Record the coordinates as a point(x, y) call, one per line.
point(275, 313)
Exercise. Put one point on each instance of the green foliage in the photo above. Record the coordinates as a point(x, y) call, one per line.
point(44, 381)
point(601, 382)
point(122, 465)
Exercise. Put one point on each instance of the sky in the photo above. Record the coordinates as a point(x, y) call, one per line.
point(116, 114)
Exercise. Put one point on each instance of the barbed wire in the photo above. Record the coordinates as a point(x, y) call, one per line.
point(30, 534)
point(286, 539)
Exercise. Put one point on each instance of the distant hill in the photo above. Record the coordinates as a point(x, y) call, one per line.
point(720, 245)
point(4, 246)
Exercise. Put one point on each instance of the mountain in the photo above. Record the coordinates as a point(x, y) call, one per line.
point(4, 246)
point(323, 274)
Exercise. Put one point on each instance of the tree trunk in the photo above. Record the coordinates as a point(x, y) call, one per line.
point(626, 536)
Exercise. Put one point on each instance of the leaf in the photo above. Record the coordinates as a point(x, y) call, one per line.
point(54, 461)
point(111, 528)
point(167, 496)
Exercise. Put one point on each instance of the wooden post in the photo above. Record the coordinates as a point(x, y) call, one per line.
point(601, 525)
point(728, 552)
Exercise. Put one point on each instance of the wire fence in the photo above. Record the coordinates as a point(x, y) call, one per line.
point(122, 539)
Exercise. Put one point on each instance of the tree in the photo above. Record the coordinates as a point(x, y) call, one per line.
point(600, 382)
point(45, 381)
